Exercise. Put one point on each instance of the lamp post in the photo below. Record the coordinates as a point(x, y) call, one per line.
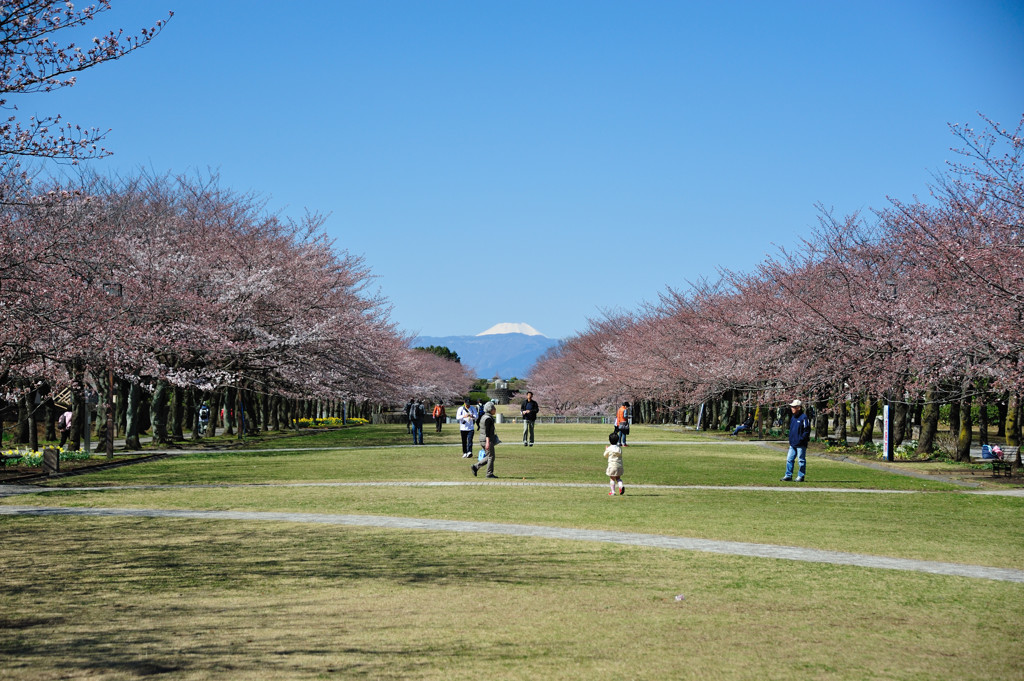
point(112, 289)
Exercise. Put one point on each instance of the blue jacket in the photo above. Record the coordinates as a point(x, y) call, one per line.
point(799, 430)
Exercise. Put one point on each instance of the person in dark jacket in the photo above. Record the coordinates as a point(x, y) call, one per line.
point(416, 419)
point(491, 440)
point(799, 437)
point(529, 411)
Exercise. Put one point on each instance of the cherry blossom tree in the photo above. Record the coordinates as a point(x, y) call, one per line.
point(33, 60)
point(915, 303)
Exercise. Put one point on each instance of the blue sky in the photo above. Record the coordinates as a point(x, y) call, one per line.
point(544, 162)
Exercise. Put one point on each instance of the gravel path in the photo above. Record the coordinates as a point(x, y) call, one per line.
point(563, 533)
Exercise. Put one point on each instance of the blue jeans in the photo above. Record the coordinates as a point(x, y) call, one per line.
point(796, 453)
point(527, 431)
point(417, 433)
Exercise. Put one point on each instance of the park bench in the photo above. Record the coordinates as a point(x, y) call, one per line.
point(1004, 464)
point(8, 458)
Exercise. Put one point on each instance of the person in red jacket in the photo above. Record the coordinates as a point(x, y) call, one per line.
point(622, 423)
point(439, 415)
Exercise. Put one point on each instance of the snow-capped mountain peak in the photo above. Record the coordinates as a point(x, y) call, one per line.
point(507, 327)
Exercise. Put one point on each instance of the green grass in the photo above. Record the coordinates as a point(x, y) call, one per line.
point(229, 600)
point(117, 598)
point(510, 433)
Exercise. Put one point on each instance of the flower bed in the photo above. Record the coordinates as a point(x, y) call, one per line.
point(330, 422)
point(34, 459)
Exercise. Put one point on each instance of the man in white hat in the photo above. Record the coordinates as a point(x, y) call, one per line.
point(799, 437)
point(490, 439)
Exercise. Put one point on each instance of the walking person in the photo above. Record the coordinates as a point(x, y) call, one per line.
point(529, 410)
point(799, 437)
point(467, 422)
point(439, 415)
point(408, 421)
point(490, 440)
point(64, 426)
point(204, 419)
point(613, 452)
point(416, 421)
point(622, 422)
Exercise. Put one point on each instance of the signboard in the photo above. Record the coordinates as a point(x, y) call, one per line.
point(887, 444)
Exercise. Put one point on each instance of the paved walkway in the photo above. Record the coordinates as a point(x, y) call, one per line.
point(571, 534)
point(629, 538)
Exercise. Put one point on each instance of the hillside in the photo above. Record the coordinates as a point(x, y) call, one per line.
point(494, 354)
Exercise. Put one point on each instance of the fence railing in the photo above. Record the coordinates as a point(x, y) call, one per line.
point(557, 419)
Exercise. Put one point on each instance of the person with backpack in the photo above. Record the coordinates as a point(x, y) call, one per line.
point(439, 415)
point(204, 419)
point(490, 440)
point(416, 421)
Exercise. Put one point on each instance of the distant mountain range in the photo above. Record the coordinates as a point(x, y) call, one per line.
point(493, 353)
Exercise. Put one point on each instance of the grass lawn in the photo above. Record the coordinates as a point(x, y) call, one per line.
point(119, 598)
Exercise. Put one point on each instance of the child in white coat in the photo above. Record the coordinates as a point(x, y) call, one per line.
point(613, 452)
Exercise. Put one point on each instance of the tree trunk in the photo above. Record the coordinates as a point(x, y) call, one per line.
point(193, 412)
point(211, 428)
point(982, 420)
point(178, 414)
point(158, 412)
point(965, 433)
point(267, 413)
point(124, 389)
point(929, 423)
point(51, 420)
point(229, 411)
point(899, 422)
point(954, 420)
point(23, 429)
point(1002, 407)
point(1016, 429)
point(274, 412)
point(1013, 414)
point(867, 431)
point(102, 390)
point(33, 430)
point(131, 432)
point(820, 419)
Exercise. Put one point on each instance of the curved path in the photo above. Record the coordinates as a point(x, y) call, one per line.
point(571, 534)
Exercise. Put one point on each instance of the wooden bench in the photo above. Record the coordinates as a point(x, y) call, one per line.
point(8, 458)
point(1004, 464)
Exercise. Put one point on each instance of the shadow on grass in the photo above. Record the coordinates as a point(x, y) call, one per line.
point(138, 597)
